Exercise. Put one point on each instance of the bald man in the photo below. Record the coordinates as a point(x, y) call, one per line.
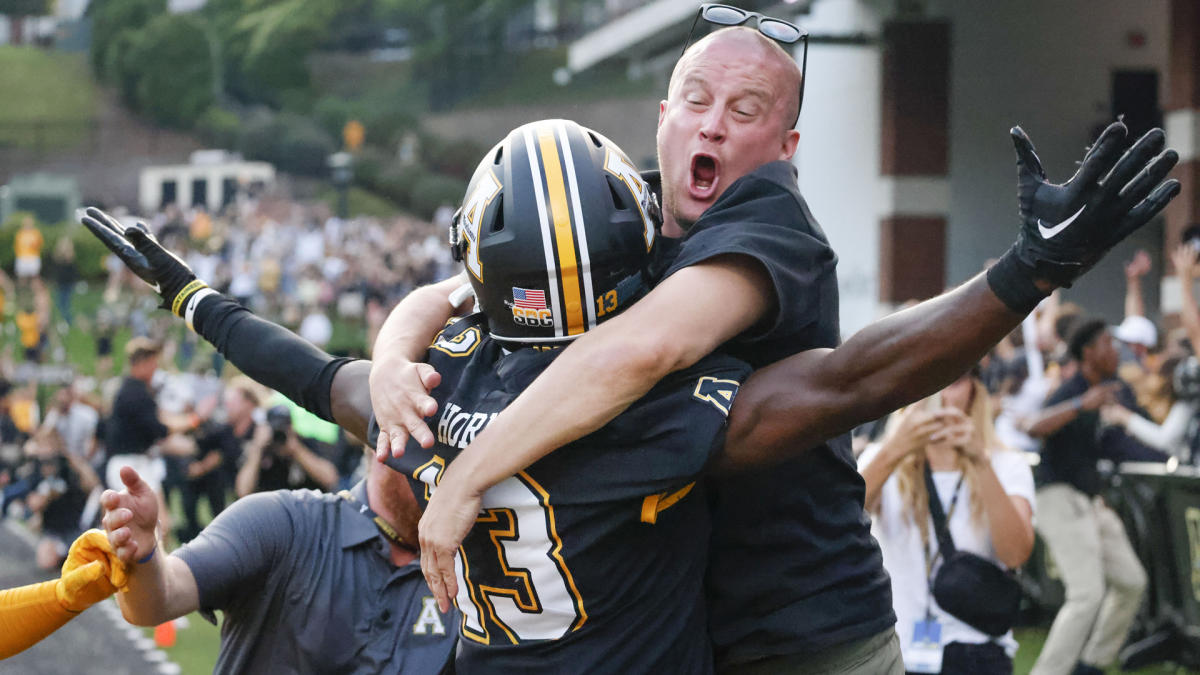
point(793, 567)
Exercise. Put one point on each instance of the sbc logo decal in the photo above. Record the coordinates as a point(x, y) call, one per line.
point(529, 308)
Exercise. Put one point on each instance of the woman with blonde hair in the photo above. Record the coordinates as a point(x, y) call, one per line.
point(987, 496)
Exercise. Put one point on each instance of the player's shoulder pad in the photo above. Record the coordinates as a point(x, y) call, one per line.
point(460, 338)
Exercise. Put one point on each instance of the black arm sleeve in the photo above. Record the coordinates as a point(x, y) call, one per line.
point(269, 353)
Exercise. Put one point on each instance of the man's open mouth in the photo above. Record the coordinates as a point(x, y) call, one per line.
point(704, 174)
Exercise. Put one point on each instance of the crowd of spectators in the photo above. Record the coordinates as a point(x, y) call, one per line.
point(1069, 398)
point(1061, 393)
point(69, 421)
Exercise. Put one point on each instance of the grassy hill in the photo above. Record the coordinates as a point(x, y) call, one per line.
point(49, 97)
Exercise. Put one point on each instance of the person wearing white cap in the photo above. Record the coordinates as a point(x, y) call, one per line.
point(1139, 333)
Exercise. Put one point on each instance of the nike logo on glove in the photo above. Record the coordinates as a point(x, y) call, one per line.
point(1050, 232)
point(157, 288)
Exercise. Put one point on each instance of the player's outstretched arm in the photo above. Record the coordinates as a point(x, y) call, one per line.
point(802, 400)
point(90, 574)
point(333, 388)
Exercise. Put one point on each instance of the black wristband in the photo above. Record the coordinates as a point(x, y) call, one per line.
point(269, 354)
point(1012, 281)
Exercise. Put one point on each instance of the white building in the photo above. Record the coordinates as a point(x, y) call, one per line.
point(212, 178)
point(905, 156)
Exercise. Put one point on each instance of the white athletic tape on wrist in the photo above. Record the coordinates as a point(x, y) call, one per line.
point(189, 310)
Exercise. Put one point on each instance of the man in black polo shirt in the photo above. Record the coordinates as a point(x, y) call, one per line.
point(1103, 578)
point(136, 433)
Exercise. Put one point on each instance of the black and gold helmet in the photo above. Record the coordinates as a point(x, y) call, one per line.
point(556, 231)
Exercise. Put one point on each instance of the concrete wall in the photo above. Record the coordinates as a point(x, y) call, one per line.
point(1046, 66)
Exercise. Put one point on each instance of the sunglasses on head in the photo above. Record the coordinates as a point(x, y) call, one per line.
point(783, 32)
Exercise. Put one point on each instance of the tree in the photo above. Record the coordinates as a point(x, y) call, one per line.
point(173, 73)
point(16, 11)
point(111, 18)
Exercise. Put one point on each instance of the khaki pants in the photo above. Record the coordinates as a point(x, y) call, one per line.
point(1103, 578)
point(876, 655)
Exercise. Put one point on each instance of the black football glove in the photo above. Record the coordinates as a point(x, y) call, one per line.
point(1066, 228)
point(169, 276)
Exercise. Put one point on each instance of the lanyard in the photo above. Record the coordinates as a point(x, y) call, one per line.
point(931, 559)
point(384, 528)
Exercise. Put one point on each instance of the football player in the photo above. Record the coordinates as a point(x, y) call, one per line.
point(596, 556)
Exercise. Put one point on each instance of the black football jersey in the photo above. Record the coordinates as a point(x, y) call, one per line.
point(593, 558)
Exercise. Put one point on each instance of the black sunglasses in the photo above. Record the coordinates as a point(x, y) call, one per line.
point(781, 31)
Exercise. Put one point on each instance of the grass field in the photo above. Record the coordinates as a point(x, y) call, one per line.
point(196, 650)
point(49, 97)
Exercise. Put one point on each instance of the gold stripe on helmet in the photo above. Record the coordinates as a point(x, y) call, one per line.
point(564, 234)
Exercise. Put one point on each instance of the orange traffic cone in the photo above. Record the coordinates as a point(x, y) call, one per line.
point(164, 634)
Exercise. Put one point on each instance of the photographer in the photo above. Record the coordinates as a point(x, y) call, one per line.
point(276, 459)
point(61, 483)
point(986, 492)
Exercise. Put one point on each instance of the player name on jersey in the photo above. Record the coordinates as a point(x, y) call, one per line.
point(458, 427)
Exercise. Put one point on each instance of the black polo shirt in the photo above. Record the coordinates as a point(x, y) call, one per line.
point(134, 425)
point(1069, 455)
point(307, 586)
point(793, 568)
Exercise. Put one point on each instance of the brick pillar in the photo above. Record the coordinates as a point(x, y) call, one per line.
point(914, 157)
point(1183, 116)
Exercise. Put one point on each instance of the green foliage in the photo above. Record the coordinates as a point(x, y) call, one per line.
point(47, 98)
point(293, 143)
point(332, 112)
point(457, 157)
point(174, 70)
point(434, 190)
point(89, 251)
point(119, 69)
point(369, 164)
point(24, 7)
point(397, 183)
point(112, 17)
point(219, 127)
point(269, 43)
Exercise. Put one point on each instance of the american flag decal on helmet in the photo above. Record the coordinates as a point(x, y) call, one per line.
point(529, 298)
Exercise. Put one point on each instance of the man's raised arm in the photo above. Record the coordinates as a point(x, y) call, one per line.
point(800, 401)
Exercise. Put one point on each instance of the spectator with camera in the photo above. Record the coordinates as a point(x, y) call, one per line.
point(276, 459)
point(947, 446)
point(61, 483)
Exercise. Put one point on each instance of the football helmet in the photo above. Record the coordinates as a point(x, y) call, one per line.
point(557, 230)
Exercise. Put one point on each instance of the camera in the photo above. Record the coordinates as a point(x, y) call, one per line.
point(279, 418)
